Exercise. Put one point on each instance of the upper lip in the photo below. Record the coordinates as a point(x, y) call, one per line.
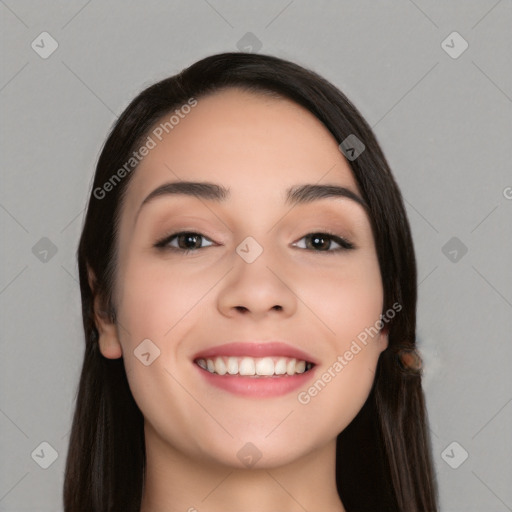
point(255, 349)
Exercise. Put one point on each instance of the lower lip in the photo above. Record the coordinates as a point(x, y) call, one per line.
point(257, 386)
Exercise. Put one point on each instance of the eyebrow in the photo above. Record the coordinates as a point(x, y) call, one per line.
point(300, 194)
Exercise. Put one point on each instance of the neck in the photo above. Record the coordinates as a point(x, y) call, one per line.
point(176, 482)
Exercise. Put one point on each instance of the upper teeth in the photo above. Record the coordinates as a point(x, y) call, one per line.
point(254, 366)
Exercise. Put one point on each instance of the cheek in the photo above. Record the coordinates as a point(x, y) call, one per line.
point(162, 305)
point(351, 305)
point(159, 298)
point(347, 298)
point(338, 393)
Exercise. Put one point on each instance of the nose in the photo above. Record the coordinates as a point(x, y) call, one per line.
point(257, 289)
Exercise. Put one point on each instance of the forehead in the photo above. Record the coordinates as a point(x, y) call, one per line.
point(253, 144)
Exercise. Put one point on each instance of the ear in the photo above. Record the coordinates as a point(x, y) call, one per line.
point(109, 343)
point(383, 339)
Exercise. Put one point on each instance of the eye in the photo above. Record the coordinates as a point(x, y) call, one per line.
point(183, 241)
point(188, 241)
point(322, 242)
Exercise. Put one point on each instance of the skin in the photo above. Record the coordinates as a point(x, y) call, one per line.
point(257, 147)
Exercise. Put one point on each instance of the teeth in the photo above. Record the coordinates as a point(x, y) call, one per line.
point(248, 366)
point(232, 365)
point(265, 366)
point(220, 367)
point(300, 366)
point(280, 366)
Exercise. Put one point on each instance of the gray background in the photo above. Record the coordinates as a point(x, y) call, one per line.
point(444, 123)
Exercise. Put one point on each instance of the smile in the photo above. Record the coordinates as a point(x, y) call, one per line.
point(254, 367)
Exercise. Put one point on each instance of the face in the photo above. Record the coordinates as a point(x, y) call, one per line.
point(265, 282)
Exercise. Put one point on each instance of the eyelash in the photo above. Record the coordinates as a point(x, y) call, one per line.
point(344, 244)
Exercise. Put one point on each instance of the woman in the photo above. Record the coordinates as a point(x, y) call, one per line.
point(248, 285)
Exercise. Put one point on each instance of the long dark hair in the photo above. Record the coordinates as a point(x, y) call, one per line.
point(384, 455)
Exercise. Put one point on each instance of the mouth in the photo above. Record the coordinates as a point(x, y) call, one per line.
point(255, 367)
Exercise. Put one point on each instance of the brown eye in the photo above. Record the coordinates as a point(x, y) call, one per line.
point(322, 242)
point(318, 241)
point(184, 241)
